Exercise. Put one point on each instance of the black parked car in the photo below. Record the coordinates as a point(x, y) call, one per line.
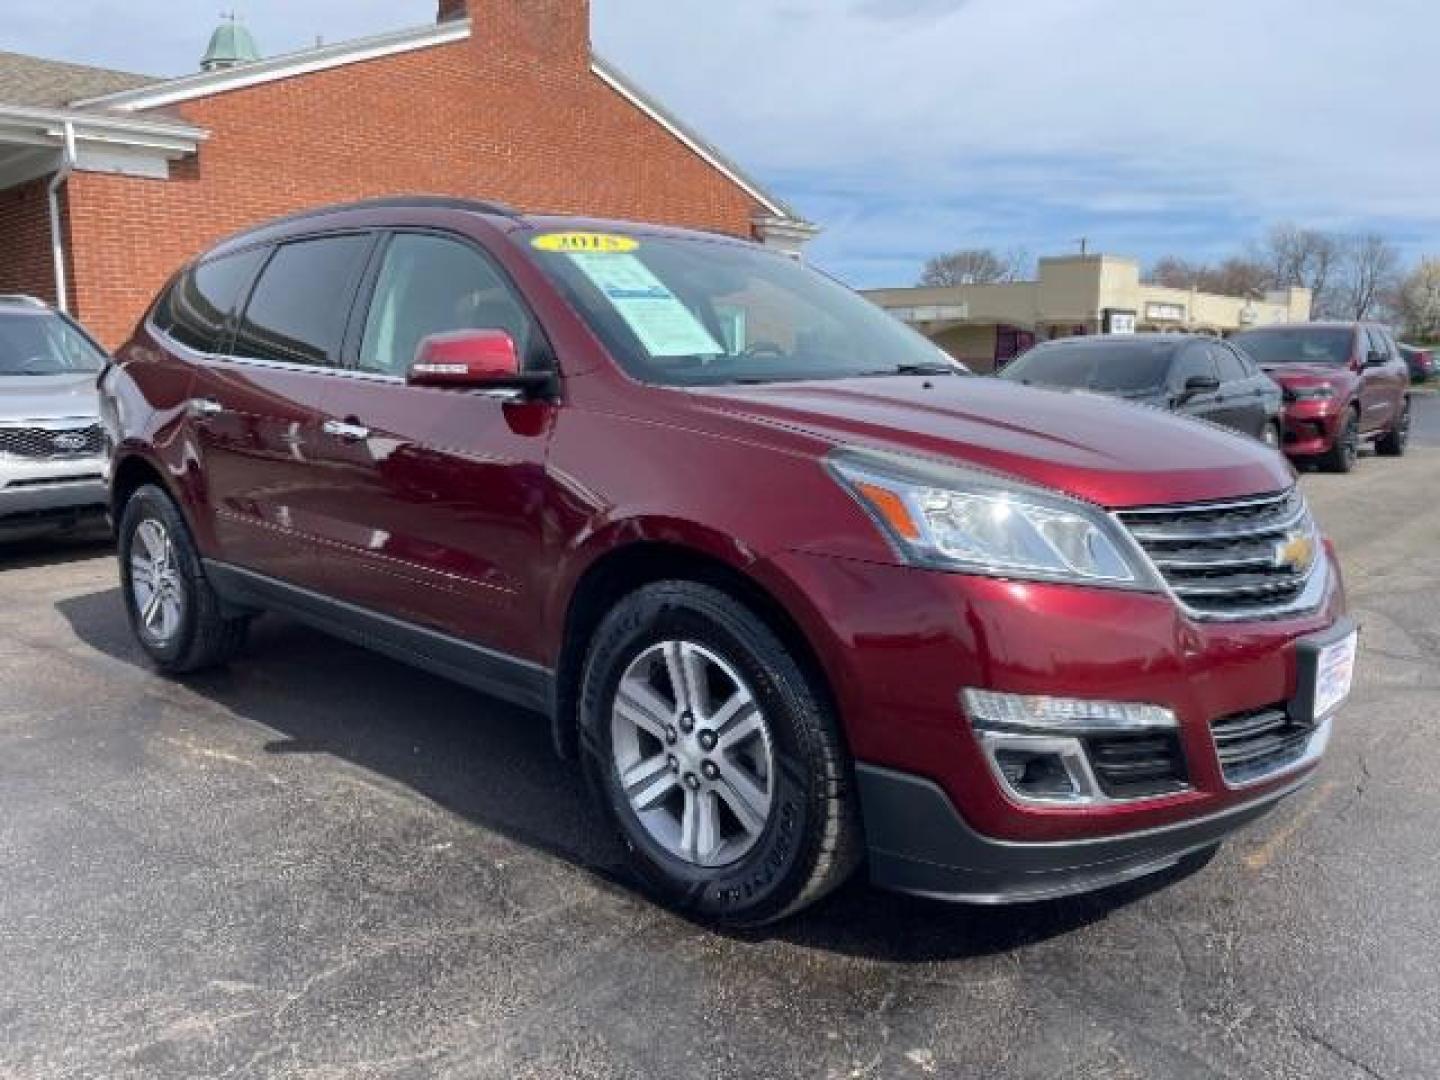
point(1190, 374)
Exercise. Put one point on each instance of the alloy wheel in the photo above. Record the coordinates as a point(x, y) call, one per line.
point(693, 753)
point(155, 582)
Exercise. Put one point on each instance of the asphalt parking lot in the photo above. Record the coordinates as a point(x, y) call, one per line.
point(322, 864)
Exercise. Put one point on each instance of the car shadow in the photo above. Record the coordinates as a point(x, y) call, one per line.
point(494, 765)
point(33, 550)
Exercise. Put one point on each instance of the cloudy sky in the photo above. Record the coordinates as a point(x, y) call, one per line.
point(911, 126)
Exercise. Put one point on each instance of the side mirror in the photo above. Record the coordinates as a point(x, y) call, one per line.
point(1199, 384)
point(474, 360)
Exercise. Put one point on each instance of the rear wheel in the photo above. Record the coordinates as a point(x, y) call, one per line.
point(715, 758)
point(175, 615)
point(1394, 441)
point(1342, 456)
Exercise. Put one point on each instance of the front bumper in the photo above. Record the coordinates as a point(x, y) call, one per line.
point(32, 491)
point(919, 844)
point(1310, 428)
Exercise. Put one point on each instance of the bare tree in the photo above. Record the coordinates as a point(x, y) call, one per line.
point(1238, 276)
point(1370, 273)
point(1417, 301)
point(1173, 272)
point(975, 266)
point(1303, 258)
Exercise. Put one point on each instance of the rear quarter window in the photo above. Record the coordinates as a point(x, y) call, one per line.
point(200, 304)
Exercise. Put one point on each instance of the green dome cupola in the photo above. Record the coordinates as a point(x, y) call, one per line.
point(230, 46)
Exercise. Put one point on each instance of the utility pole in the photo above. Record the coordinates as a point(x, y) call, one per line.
point(1084, 243)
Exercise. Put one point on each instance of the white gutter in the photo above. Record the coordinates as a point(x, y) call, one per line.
point(57, 232)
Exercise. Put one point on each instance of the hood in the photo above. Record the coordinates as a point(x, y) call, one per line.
point(1307, 374)
point(1107, 451)
point(48, 397)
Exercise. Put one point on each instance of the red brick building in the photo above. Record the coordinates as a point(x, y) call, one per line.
point(108, 181)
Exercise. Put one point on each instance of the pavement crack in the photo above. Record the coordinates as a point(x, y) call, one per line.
point(1336, 1051)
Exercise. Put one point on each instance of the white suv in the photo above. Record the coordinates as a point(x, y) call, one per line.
point(51, 452)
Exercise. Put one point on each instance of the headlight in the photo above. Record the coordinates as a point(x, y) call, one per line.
point(958, 519)
point(1310, 393)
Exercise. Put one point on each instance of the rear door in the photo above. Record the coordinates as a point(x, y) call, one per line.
point(443, 492)
point(1377, 382)
point(1243, 404)
point(262, 415)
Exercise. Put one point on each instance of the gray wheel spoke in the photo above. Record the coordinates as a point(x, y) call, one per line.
point(687, 675)
point(745, 725)
point(749, 803)
point(147, 616)
point(700, 827)
point(643, 707)
point(649, 781)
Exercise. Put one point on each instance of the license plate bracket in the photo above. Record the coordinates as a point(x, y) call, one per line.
point(1324, 672)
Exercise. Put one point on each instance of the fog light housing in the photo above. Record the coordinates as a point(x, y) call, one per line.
point(1036, 744)
point(1036, 774)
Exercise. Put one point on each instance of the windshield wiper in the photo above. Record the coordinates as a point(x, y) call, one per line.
point(909, 369)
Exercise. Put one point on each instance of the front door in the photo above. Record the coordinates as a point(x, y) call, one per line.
point(261, 411)
point(444, 491)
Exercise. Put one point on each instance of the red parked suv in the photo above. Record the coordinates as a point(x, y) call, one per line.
point(1343, 384)
point(794, 590)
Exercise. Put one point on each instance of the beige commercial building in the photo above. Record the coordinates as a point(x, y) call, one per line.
point(986, 325)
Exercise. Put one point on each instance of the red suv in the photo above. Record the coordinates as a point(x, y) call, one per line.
point(1343, 384)
point(794, 591)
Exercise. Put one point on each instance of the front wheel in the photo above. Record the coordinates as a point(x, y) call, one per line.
point(714, 756)
point(1394, 441)
point(1342, 456)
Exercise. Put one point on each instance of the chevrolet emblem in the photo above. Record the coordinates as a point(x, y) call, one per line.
point(1296, 552)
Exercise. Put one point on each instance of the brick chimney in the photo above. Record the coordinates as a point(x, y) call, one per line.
point(556, 33)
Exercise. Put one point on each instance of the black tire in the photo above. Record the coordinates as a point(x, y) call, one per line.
point(811, 840)
point(1342, 457)
point(205, 636)
point(1394, 441)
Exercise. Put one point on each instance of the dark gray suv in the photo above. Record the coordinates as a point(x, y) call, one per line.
point(1185, 373)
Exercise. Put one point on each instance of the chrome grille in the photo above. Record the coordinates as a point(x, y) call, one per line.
point(51, 442)
point(1223, 559)
point(1254, 745)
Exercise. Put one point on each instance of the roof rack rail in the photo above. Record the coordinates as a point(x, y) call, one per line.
point(442, 202)
point(23, 298)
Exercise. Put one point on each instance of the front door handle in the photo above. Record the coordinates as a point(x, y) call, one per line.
point(345, 431)
point(203, 407)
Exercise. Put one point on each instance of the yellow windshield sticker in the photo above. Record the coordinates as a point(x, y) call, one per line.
point(592, 243)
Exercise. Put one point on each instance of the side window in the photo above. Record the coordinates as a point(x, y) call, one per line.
point(1373, 342)
point(1228, 364)
point(201, 302)
point(299, 308)
point(430, 285)
point(1246, 364)
point(1194, 360)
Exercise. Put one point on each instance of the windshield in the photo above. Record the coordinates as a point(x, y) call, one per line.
point(692, 312)
point(1121, 369)
point(40, 343)
point(1307, 345)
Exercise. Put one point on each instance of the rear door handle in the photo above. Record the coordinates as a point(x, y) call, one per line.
point(203, 407)
point(345, 431)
